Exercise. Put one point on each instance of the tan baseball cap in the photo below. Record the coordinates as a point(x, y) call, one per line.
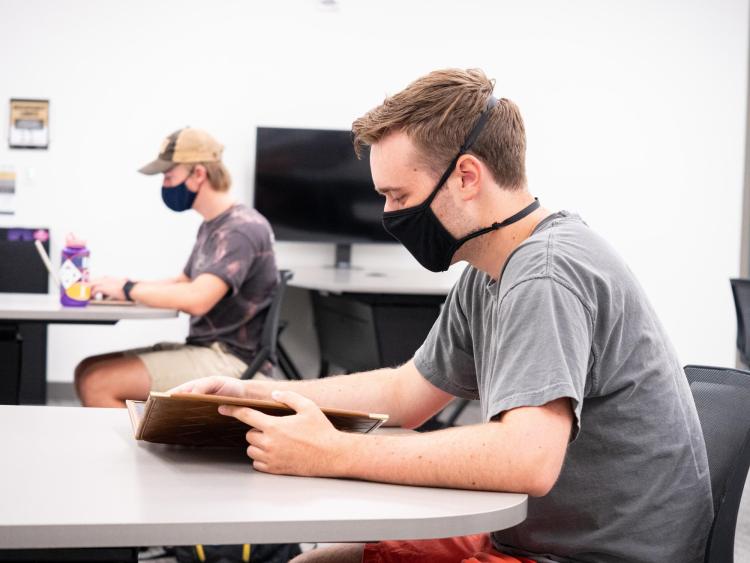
point(182, 147)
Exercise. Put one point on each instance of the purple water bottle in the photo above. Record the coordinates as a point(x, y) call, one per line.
point(75, 290)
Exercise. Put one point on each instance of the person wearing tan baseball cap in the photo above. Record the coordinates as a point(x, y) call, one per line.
point(189, 147)
point(186, 145)
point(226, 285)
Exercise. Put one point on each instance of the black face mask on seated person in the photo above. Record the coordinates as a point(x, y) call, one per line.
point(422, 233)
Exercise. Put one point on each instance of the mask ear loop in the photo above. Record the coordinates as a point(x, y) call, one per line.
point(470, 140)
point(533, 206)
point(477, 129)
point(198, 189)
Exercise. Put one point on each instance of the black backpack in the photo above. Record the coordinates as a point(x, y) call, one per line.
point(241, 553)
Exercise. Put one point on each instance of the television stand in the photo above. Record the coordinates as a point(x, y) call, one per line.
point(343, 257)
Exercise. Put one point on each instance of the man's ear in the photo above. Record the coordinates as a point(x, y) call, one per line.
point(199, 173)
point(470, 172)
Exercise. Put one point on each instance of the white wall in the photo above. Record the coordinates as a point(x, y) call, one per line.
point(635, 115)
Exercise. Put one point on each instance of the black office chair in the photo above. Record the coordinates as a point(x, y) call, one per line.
point(270, 348)
point(741, 293)
point(722, 397)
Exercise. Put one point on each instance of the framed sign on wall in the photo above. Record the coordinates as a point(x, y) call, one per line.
point(7, 190)
point(29, 124)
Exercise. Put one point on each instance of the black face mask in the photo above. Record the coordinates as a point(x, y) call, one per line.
point(422, 233)
point(179, 198)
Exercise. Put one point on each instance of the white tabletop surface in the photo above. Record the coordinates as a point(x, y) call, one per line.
point(415, 281)
point(75, 477)
point(46, 307)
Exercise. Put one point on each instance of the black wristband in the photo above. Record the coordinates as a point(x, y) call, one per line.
point(127, 287)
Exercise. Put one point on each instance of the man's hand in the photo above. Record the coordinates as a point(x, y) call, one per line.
point(220, 385)
point(109, 286)
point(305, 443)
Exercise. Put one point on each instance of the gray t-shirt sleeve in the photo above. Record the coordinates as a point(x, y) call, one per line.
point(544, 348)
point(446, 357)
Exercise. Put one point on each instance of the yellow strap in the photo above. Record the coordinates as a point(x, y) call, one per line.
point(246, 552)
point(199, 551)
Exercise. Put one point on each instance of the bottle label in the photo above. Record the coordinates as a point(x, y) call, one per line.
point(69, 274)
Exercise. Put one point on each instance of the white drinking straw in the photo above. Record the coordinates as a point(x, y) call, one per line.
point(46, 260)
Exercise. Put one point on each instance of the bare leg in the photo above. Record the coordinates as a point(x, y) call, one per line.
point(111, 379)
point(338, 553)
point(86, 364)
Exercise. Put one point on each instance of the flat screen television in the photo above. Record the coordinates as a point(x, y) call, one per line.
point(311, 187)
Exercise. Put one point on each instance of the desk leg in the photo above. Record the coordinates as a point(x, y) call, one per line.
point(33, 384)
point(10, 363)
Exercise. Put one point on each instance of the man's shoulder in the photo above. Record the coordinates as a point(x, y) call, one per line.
point(242, 214)
point(561, 232)
point(564, 248)
point(244, 221)
point(561, 248)
point(471, 280)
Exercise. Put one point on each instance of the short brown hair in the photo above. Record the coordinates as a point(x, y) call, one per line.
point(218, 175)
point(437, 112)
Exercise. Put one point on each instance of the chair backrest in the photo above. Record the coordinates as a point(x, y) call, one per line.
point(722, 398)
point(270, 335)
point(741, 293)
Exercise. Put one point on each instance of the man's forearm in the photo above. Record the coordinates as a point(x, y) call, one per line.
point(163, 294)
point(369, 392)
point(522, 450)
point(177, 279)
point(482, 457)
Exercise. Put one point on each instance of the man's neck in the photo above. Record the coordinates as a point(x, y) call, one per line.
point(213, 204)
point(490, 252)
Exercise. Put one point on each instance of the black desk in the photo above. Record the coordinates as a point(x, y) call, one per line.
point(366, 319)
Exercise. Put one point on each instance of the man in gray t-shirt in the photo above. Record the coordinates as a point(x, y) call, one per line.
point(584, 404)
point(568, 319)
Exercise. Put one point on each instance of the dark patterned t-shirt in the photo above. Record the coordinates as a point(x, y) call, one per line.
point(236, 246)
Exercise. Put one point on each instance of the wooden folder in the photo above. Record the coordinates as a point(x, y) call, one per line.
point(193, 419)
point(112, 302)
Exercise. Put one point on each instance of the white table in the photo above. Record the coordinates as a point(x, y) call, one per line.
point(75, 477)
point(403, 281)
point(46, 308)
point(27, 316)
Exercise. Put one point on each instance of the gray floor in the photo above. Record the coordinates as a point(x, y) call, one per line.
point(63, 394)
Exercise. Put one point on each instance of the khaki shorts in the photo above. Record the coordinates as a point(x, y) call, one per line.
point(171, 364)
